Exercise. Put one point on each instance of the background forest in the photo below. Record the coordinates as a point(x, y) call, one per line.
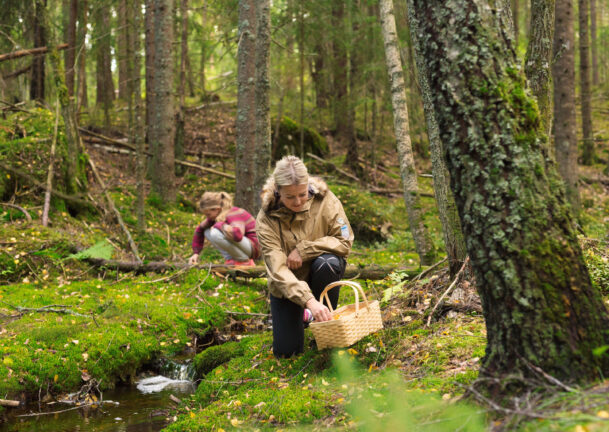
point(467, 141)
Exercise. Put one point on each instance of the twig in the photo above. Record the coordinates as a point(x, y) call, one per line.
point(115, 210)
point(47, 194)
point(427, 270)
point(21, 209)
point(168, 278)
point(246, 313)
point(547, 376)
point(68, 409)
point(197, 286)
point(449, 289)
point(343, 172)
point(49, 308)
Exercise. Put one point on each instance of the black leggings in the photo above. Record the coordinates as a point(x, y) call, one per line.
point(288, 327)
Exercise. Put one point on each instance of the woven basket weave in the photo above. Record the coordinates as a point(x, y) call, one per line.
point(350, 323)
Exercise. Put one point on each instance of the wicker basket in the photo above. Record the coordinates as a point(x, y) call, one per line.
point(350, 323)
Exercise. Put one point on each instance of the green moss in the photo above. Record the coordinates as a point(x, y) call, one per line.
point(288, 141)
point(215, 356)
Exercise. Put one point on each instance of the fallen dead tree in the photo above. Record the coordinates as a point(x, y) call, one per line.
point(371, 272)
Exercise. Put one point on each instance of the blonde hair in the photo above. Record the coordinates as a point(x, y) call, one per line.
point(221, 200)
point(289, 170)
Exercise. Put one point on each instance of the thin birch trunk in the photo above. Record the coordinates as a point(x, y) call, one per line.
point(422, 239)
point(47, 193)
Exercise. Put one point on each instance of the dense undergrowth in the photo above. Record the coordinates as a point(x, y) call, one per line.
point(110, 326)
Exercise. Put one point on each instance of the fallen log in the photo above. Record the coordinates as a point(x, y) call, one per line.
point(9, 403)
point(371, 272)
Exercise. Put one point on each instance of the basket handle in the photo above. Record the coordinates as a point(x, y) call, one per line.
point(357, 288)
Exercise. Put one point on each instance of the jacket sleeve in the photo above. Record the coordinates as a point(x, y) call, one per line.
point(198, 239)
point(339, 237)
point(275, 260)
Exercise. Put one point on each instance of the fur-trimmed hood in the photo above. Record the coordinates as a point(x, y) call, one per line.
point(269, 194)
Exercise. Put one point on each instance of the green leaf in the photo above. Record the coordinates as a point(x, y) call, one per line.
point(102, 249)
point(600, 350)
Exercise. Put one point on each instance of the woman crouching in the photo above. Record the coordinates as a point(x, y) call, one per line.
point(305, 237)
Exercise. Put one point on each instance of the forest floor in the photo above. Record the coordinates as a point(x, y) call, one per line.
point(66, 324)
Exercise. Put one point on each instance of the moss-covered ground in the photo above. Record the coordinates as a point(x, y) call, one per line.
point(64, 322)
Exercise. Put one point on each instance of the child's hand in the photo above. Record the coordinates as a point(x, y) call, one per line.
point(294, 260)
point(194, 259)
point(228, 231)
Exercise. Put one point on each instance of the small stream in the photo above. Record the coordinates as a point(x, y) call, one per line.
point(142, 407)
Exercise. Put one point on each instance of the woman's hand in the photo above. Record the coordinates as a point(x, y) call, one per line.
point(194, 259)
point(294, 260)
point(320, 311)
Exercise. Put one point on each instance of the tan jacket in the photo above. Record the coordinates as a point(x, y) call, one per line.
point(321, 227)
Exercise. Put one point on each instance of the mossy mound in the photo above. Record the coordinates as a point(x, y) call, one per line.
point(25, 144)
point(364, 212)
point(215, 356)
point(288, 141)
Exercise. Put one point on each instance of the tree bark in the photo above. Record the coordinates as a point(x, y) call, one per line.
point(139, 133)
point(82, 97)
point(150, 101)
point(563, 74)
point(594, 42)
point(538, 60)
point(105, 84)
point(262, 153)
point(179, 133)
point(422, 239)
point(70, 53)
point(37, 83)
point(245, 194)
point(588, 155)
point(122, 45)
point(454, 242)
point(163, 156)
point(539, 304)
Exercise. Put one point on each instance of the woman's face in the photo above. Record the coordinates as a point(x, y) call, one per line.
point(212, 213)
point(294, 197)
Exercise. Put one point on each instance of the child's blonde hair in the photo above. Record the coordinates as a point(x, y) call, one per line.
point(221, 200)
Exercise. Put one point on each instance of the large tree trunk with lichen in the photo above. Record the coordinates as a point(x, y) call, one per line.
point(245, 194)
point(539, 304)
point(584, 80)
point(539, 59)
point(162, 146)
point(563, 74)
point(422, 239)
point(454, 243)
point(262, 154)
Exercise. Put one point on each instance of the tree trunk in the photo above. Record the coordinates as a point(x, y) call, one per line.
point(179, 136)
point(563, 73)
point(422, 239)
point(539, 59)
point(37, 87)
point(515, 14)
point(454, 242)
point(594, 42)
point(122, 45)
point(163, 157)
point(539, 304)
point(74, 176)
point(83, 100)
point(262, 153)
point(150, 101)
point(138, 124)
point(245, 194)
point(105, 85)
point(340, 67)
point(588, 155)
point(70, 53)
